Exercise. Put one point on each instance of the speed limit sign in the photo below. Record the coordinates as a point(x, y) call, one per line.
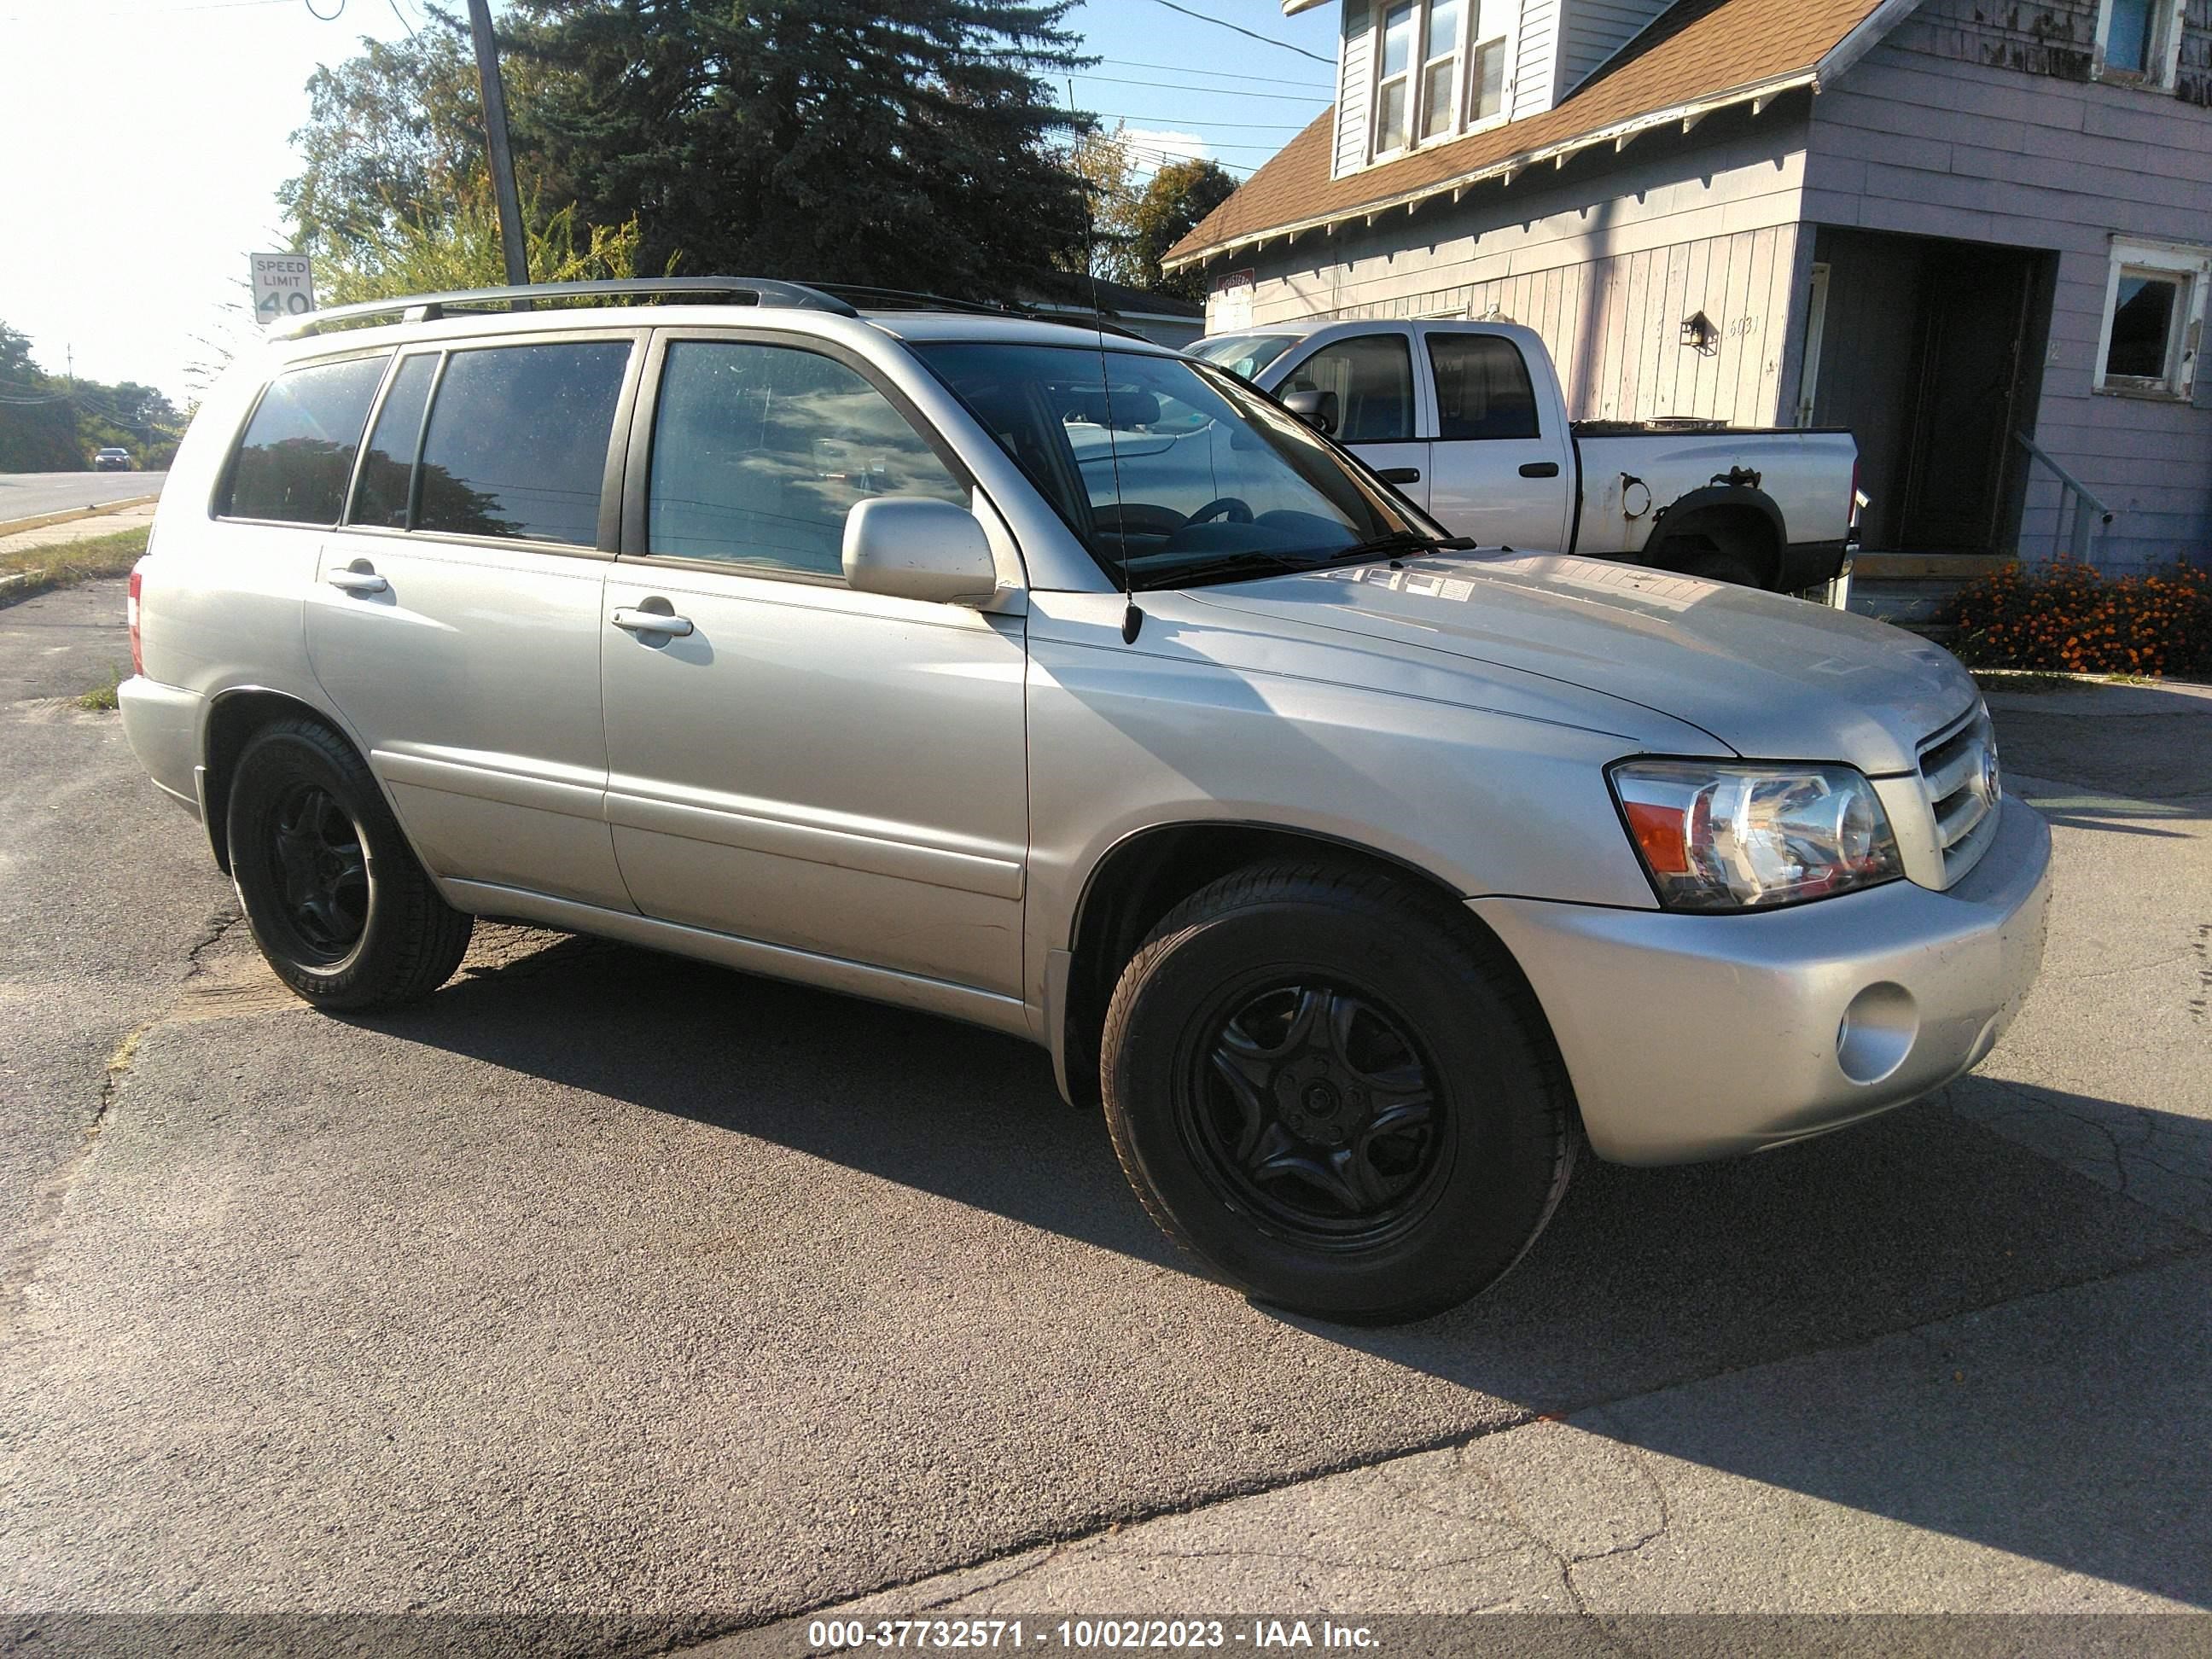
point(284, 286)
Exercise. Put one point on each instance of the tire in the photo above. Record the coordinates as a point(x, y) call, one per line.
point(1266, 1059)
point(336, 899)
point(1724, 565)
point(1712, 548)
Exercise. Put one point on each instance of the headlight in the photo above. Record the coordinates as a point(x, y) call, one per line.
point(1716, 837)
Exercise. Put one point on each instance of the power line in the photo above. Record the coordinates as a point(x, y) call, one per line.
point(1211, 92)
point(1219, 75)
point(1264, 40)
point(1196, 121)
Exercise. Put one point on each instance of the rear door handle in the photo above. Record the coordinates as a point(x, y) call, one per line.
point(1401, 475)
point(358, 581)
point(1541, 469)
point(651, 622)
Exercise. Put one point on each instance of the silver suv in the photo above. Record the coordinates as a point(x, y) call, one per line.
point(1063, 685)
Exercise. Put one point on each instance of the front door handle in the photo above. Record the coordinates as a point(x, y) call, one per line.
point(358, 581)
point(651, 622)
point(1401, 475)
point(1541, 469)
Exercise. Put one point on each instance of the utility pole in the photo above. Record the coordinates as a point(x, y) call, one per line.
point(501, 157)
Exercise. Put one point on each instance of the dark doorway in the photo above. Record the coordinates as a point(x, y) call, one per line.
point(1930, 351)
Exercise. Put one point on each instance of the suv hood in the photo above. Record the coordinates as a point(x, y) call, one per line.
point(1773, 678)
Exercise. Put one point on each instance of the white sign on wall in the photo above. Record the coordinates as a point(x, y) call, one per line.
point(284, 286)
point(1229, 307)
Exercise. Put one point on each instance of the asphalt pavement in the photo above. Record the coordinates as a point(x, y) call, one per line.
point(28, 495)
point(608, 1282)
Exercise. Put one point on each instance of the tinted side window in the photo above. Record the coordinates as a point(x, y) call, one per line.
point(759, 452)
point(1483, 389)
point(1373, 378)
point(297, 454)
point(517, 443)
point(380, 498)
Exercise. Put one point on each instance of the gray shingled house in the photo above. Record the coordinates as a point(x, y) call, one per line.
point(1979, 232)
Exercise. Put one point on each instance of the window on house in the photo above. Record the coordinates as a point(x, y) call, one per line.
point(1394, 92)
point(2155, 305)
point(1486, 82)
point(1439, 67)
point(2137, 39)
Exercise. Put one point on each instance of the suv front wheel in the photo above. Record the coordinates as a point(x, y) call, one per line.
point(1333, 1091)
point(332, 891)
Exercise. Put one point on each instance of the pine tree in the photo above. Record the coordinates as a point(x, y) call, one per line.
point(903, 143)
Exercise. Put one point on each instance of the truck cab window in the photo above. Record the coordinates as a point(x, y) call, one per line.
point(1483, 388)
point(1372, 376)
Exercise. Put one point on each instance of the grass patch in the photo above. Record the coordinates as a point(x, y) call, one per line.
point(101, 698)
point(2027, 680)
point(67, 563)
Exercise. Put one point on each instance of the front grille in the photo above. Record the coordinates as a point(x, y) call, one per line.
point(1959, 774)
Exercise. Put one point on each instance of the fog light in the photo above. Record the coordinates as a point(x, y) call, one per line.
point(1877, 1032)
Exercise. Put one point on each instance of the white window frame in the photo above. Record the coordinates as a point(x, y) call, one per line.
point(2191, 266)
point(1410, 74)
point(1463, 119)
point(1454, 117)
point(2165, 47)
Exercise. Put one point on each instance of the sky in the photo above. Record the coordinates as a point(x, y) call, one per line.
point(142, 143)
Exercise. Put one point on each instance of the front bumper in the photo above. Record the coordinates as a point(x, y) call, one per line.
point(1690, 1038)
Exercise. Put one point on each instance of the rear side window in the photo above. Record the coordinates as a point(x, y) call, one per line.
point(293, 464)
point(1483, 389)
point(517, 443)
point(380, 498)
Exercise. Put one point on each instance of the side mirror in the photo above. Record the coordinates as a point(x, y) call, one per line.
point(1316, 408)
point(914, 548)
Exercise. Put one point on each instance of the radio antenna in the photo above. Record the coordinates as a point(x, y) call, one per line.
point(1133, 619)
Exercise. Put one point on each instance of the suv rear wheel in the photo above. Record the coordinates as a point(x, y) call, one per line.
point(330, 887)
point(1335, 1094)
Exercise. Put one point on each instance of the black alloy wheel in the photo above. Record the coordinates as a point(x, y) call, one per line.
point(1335, 1088)
point(314, 847)
point(1312, 1108)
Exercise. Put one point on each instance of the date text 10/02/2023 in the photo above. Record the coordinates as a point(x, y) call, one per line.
point(1084, 1635)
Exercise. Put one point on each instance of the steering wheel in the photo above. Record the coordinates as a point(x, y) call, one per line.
point(1235, 508)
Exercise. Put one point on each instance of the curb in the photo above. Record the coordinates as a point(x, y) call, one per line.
point(23, 585)
point(17, 527)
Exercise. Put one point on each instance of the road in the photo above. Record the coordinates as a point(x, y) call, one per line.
point(29, 495)
point(606, 1283)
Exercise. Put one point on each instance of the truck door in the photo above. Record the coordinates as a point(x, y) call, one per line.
point(1496, 473)
point(1376, 403)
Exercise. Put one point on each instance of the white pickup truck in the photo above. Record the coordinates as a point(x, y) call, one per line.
point(1468, 420)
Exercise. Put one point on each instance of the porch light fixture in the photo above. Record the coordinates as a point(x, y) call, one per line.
point(1698, 330)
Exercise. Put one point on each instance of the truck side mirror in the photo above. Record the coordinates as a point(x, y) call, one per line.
point(1316, 408)
point(914, 547)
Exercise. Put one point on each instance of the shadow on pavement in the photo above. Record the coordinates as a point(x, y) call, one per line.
point(1645, 1279)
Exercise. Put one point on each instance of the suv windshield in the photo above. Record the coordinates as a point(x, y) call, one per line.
point(1171, 473)
point(1244, 354)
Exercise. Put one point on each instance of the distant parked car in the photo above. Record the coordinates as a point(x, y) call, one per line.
point(112, 460)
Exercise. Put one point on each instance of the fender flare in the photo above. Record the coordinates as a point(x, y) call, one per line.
point(1735, 498)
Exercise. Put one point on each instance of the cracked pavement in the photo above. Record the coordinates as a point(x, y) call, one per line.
point(610, 1284)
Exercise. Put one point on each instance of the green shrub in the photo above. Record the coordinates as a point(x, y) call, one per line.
point(2069, 618)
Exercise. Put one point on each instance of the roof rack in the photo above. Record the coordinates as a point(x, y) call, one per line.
point(428, 308)
point(902, 299)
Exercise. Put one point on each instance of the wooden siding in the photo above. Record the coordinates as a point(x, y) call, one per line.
point(1928, 135)
point(1535, 59)
point(1355, 86)
point(2055, 38)
point(1596, 29)
point(1606, 270)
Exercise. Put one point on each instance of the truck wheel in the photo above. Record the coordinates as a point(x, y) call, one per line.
point(1327, 1086)
point(1724, 565)
point(334, 896)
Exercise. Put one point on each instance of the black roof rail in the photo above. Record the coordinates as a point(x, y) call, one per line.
point(904, 299)
point(428, 308)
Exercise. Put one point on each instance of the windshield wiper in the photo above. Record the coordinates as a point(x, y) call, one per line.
point(1405, 541)
point(1253, 560)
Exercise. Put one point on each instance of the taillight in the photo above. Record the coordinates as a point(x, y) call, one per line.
point(130, 616)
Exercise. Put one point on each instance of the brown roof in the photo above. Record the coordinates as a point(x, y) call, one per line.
point(1700, 50)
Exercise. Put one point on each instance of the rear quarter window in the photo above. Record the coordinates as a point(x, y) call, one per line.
point(296, 454)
